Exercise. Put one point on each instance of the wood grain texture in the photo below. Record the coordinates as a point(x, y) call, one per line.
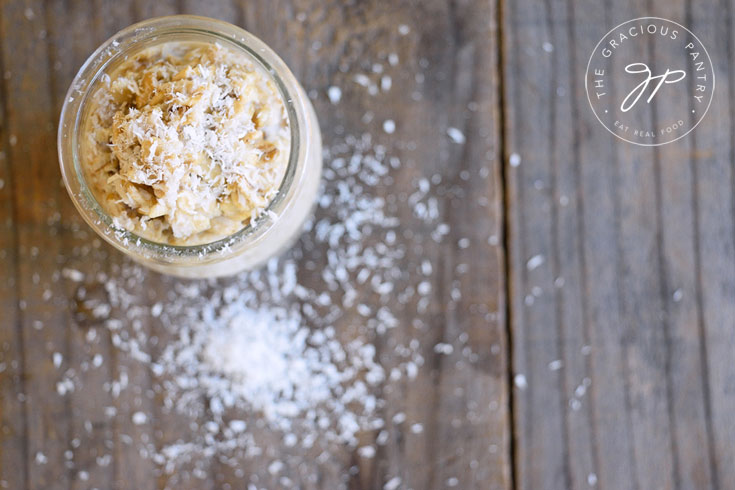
point(41, 322)
point(713, 188)
point(622, 325)
point(637, 247)
point(448, 76)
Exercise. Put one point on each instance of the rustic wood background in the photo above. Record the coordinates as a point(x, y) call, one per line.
point(635, 297)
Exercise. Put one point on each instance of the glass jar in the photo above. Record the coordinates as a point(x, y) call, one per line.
point(269, 235)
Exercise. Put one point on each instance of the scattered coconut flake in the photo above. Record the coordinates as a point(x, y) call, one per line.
point(139, 418)
point(385, 83)
point(362, 79)
point(548, 47)
point(366, 452)
point(399, 418)
point(556, 365)
point(403, 29)
point(393, 483)
point(97, 360)
point(443, 348)
point(275, 467)
point(535, 262)
point(389, 126)
point(520, 381)
point(72, 274)
point(334, 93)
point(592, 479)
point(64, 386)
point(515, 159)
point(456, 135)
point(156, 310)
point(57, 359)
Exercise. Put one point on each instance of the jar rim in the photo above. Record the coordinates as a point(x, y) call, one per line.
point(148, 33)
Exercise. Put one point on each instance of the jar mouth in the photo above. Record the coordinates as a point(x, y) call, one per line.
point(154, 32)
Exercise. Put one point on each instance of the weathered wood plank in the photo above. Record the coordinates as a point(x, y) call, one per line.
point(686, 372)
point(477, 388)
point(13, 460)
point(88, 457)
point(619, 229)
point(567, 268)
point(539, 413)
point(43, 315)
point(639, 275)
point(451, 50)
point(713, 189)
point(597, 212)
point(130, 381)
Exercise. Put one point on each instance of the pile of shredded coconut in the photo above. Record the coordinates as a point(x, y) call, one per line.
point(185, 143)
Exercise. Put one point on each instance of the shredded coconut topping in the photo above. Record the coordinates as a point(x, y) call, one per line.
point(187, 143)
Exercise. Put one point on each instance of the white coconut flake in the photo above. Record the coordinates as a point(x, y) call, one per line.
point(72, 274)
point(393, 483)
point(139, 418)
point(334, 93)
point(385, 83)
point(592, 479)
point(534, 262)
point(362, 79)
point(556, 365)
point(456, 135)
point(64, 386)
point(443, 348)
point(389, 126)
point(399, 418)
point(366, 452)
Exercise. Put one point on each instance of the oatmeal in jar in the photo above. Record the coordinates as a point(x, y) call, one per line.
point(185, 143)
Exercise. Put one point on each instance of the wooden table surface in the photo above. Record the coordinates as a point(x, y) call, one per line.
point(631, 298)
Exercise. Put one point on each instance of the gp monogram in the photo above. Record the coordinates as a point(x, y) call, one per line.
point(650, 81)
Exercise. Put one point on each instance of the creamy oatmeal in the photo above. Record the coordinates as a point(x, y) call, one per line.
point(185, 143)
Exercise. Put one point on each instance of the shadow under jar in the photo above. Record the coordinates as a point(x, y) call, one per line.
point(272, 229)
